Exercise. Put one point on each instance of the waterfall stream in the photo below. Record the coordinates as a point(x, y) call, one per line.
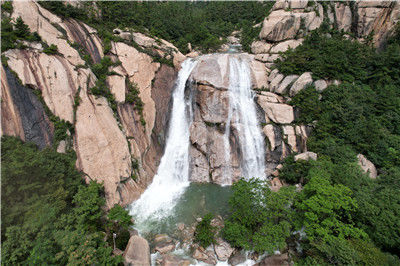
point(172, 177)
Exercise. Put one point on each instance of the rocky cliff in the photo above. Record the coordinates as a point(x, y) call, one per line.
point(120, 144)
point(115, 147)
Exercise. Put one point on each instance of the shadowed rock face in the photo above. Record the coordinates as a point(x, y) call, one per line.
point(22, 113)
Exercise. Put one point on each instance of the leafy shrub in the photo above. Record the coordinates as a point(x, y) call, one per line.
point(205, 233)
point(295, 172)
point(327, 58)
point(43, 196)
point(307, 100)
point(51, 50)
point(260, 219)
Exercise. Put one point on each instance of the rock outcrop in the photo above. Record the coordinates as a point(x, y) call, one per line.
point(119, 147)
point(22, 114)
point(367, 166)
point(137, 252)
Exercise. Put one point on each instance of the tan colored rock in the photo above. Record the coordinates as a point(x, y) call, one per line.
point(85, 36)
point(277, 112)
point(268, 58)
point(141, 70)
point(272, 74)
point(259, 74)
point(367, 166)
point(284, 46)
point(282, 260)
point(280, 4)
point(279, 26)
point(320, 85)
point(117, 86)
point(199, 167)
point(172, 260)
point(370, 3)
point(137, 252)
point(212, 70)
point(304, 80)
point(101, 147)
point(290, 135)
point(39, 19)
point(193, 54)
point(223, 250)
point(276, 82)
point(343, 16)
point(306, 156)
point(260, 47)
point(62, 146)
point(298, 4)
point(285, 84)
point(213, 103)
point(271, 97)
point(53, 75)
point(276, 184)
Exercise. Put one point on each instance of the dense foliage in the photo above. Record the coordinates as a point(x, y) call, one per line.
point(48, 215)
point(260, 219)
point(200, 23)
point(348, 217)
point(205, 232)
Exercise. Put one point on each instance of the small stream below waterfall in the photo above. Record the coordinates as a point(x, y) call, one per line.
point(171, 198)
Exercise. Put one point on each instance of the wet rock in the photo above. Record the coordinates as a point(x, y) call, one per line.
point(237, 258)
point(223, 250)
point(22, 114)
point(163, 244)
point(273, 260)
point(367, 166)
point(173, 260)
point(137, 252)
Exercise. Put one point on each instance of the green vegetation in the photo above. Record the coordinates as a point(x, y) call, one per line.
point(119, 222)
point(348, 217)
point(48, 215)
point(205, 232)
point(260, 219)
point(14, 32)
point(51, 50)
point(132, 97)
point(200, 23)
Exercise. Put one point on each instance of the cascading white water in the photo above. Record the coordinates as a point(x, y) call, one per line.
point(242, 116)
point(172, 175)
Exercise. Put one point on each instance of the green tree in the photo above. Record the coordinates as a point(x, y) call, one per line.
point(205, 232)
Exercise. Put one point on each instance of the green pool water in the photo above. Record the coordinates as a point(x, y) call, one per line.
point(196, 201)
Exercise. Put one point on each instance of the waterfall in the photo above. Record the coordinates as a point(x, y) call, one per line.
point(172, 175)
point(242, 116)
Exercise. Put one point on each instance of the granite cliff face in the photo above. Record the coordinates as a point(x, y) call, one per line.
point(115, 148)
point(122, 147)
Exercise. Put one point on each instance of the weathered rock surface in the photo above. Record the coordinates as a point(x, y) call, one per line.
point(367, 166)
point(282, 259)
point(137, 252)
point(277, 112)
point(304, 80)
point(306, 156)
point(22, 114)
point(237, 258)
point(223, 250)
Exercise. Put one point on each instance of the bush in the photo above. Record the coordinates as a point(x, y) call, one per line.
point(260, 219)
point(205, 233)
point(295, 172)
point(51, 50)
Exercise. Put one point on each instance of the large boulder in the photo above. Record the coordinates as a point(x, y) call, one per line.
point(367, 166)
point(282, 260)
point(137, 252)
point(343, 16)
point(277, 112)
point(280, 25)
point(223, 250)
point(304, 80)
point(306, 156)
